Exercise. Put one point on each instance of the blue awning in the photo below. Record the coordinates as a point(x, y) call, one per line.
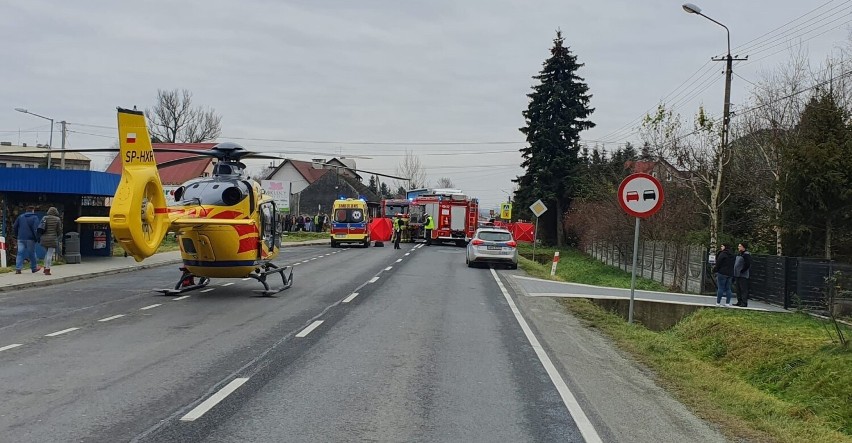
point(58, 181)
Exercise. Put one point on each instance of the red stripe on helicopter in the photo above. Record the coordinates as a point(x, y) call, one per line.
point(161, 210)
point(247, 244)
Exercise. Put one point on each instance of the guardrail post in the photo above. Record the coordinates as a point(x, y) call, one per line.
point(555, 261)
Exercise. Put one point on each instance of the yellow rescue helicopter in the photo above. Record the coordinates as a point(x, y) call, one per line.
point(226, 226)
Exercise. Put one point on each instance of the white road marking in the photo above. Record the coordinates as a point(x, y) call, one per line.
point(6, 348)
point(296, 264)
point(181, 297)
point(373, 280)
point(313, 259)
point(214, 399)
point(247, 278)
point(309, 329)
point(207, 290)
point(398, 260)
point(150, 307)
point(112, 318)
point(590, 435)
point(228, 284)
point(350, 298)
point(54, 334)
point(407, 253)
point(388, 268)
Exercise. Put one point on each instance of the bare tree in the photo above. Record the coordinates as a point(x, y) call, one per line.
point(769, 124)
point(411, 168)
point(699, 152)
point(174, 120)
point(444, 182)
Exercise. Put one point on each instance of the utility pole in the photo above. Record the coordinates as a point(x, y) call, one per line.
point(64, 136)
point(729, 74)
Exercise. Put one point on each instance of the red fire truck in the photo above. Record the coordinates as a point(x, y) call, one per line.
point(456, 215)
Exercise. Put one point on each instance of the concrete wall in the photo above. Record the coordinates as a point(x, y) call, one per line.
point(653, 315)
point(676, 266)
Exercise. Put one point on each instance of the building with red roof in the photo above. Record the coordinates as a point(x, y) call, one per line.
point(178, 174)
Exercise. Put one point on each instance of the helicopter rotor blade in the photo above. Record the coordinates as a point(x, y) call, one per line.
point(181, 161)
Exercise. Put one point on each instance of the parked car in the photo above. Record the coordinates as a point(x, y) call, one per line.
point(492, 245)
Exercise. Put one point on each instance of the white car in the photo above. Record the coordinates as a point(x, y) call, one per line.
point(492, 245)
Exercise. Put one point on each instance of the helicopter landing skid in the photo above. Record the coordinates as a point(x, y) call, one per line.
point(266, 269)
point(186, 283)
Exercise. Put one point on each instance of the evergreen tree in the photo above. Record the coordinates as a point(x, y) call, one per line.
point(385, 191)
point(558, 111)
point(374, 184)
point(819, 183)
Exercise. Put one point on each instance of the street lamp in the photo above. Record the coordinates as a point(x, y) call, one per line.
point(49, 143)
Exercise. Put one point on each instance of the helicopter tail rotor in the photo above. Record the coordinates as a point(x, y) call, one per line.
point(138, 217)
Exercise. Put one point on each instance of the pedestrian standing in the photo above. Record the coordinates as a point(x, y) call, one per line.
point(300, 223)
point(309, 223)
point(742, 265)
point(397, 230)
point(50, 235)
point(288, 222)
point(428, 226)
point(25, 228)
point(724, 269)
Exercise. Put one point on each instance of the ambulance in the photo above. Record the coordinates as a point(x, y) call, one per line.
point(349, 223)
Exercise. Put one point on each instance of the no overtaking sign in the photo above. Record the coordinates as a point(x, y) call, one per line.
point(640, 195)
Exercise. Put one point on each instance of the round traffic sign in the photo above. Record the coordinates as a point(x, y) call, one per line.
point(640, 195)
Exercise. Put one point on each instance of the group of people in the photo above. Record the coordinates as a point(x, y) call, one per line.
point(29, 229)
point(399, 227)
point(732, 269)
point(306, 223)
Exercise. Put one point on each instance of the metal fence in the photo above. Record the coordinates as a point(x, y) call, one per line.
point(680, 267)
point(787, 281)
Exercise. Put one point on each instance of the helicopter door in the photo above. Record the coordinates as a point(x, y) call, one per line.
point(268, 226)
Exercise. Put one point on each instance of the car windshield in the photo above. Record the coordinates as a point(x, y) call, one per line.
point(348, 216)
point(495, 236)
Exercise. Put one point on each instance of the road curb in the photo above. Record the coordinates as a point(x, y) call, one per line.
point(70, 278)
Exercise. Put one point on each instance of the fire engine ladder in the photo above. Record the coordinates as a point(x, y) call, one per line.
point(473, 218)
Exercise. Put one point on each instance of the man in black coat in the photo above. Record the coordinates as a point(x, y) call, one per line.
point(724, 270)
point(741, 274)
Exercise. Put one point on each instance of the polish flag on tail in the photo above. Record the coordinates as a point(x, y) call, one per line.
point(131, 137)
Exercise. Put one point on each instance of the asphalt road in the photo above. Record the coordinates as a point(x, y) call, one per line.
point(427, 351)
point(370, 344)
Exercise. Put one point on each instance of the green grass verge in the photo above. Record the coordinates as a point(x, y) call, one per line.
point(290, 237)
point(577, 267)
point(758, 376)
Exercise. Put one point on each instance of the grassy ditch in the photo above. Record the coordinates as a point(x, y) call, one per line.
point(758, 376)
point(290, 237)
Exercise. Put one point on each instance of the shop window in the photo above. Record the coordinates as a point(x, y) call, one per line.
point(2, 165)
point(16, 165)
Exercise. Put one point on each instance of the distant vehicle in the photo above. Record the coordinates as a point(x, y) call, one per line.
point(349, 222)
point(492, 245)
point(632, 196)
point(649, 194)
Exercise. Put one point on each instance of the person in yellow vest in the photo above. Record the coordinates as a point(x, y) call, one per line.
point(397, 230)
point(428, 226)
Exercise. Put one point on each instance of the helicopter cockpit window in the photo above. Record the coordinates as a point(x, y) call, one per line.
point(220, 193)
point(348, 216)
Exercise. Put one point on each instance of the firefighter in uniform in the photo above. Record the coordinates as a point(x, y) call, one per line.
point(428, 227)
point(397, 230)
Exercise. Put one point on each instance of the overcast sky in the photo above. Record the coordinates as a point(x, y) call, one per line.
point(397, 72)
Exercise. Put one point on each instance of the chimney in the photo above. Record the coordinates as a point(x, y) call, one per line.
point(24, 145)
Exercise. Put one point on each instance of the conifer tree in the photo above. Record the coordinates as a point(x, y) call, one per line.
point(558, 111)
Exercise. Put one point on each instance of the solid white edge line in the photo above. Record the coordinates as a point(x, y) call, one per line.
point(150, 307)
point(54, 334)
point(398, 260)
point(207, 290)
point(350, 298)
point(6, 348)
point(228, 284)
point(112, 318)
point(587, 430)
point(388, 268)
point(309, 329)
point(181, 297)
point(373, 280)
point(214, 399)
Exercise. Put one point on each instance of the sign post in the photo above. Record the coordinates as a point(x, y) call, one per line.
point(537, 209)
point(640, 195)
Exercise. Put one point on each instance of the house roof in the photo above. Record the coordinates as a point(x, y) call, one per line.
point(55, 153)
point(645, 167)
point(307, 170)
point(178, 174)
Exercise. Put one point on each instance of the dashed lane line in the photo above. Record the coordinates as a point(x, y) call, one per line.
point(6, 348)
point(64, 331)
point(150, 307)
point(247, 279)
point(181, 297)
point(309, 329)
point(111, 318)
point(398, 260)
point(227, 284)
point(207, 290)
point(214, 399)
point(407, 253)
point(590, 435)
point(350, 298)
point(373, 280)
point(388, 268)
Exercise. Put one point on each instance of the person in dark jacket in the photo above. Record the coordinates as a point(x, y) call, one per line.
point(50, 237)
point(25, 228)
point(741, 274)
point(724, 269)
